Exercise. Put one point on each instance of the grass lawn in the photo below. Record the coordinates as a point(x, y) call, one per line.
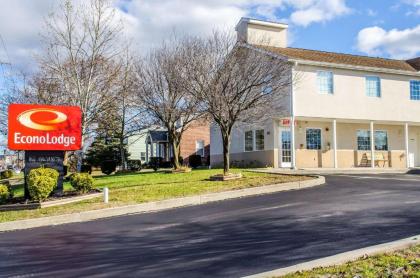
point(405, 263)
point(127, 189)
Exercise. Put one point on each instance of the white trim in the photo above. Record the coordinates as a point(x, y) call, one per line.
point(335, 143)
point(407, 159)
point(372, 145)
point(261, 22)
point(352, 67)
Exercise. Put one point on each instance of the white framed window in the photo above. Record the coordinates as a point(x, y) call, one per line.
point(373, 86)
point(199, 147)
point(142, 156)
point(325, 82)
point(249, 141)
point(415, 89)
point(381, 140)
point(259, 140)
point(363, 140)
point(313, 139)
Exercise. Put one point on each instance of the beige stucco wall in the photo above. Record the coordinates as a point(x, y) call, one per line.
point(265, 158)
point(347, 154)
point(349, 100)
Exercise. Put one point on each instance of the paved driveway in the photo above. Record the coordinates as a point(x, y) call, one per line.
point(225, 239)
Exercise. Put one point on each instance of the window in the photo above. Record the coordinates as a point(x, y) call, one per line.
point(381, 140)
point(313, 139)
point(373, 86)
point(142, 156)
point(199, 147)
point(325, 82)
point(259, 140)
point(363, 140)
point(415, 89)
point(249, 141)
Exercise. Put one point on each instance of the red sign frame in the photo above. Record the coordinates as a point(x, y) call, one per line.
point(44, 127)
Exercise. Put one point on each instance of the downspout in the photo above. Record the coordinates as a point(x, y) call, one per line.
point(292, 119)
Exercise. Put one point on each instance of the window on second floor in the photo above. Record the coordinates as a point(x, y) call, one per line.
point(325, 82)
point(373, 86)
point(415, 89)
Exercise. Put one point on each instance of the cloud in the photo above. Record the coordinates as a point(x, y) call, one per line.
point(400, 44)
point(150, 21)
point(319, 11)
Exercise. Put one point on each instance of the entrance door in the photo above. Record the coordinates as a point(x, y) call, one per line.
point(285, 149)
point(412, 152)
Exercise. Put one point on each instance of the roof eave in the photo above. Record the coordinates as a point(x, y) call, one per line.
point(354, 67)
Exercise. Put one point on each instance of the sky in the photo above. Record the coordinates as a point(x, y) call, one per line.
point(385, 28)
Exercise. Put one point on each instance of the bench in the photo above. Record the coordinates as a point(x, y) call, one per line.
point(379, 157)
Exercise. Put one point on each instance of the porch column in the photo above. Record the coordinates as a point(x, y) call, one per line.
point(335, 143)
point(372, 145)
point(292, 141)
point(147, 152)
point(407, 159)
point(151, 150)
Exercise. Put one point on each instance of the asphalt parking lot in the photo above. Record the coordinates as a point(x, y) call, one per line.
point(225, 239)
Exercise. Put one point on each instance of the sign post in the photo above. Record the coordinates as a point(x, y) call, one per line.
point(44, 132)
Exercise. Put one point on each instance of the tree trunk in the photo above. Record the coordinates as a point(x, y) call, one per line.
point(122, 154)
point(226, 146)
point(175, 154)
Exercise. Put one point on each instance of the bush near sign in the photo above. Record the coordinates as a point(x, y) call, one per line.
point(47, 159)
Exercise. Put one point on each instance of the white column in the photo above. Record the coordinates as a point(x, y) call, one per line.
point(151, 150)
point(292, 141)
point(372, 145)
point(335, 143)
point(407, 159)
point(147, 152)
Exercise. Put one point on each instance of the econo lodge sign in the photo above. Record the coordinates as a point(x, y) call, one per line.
point(44, 127)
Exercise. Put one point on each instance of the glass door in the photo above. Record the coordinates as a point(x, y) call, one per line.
point(285, 149)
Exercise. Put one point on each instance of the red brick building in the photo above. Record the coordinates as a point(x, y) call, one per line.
point(196, 140)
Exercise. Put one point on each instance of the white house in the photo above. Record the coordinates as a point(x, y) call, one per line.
point(343, 110)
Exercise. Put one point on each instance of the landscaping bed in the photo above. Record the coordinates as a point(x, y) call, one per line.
point(128, 189)
point(405, 263)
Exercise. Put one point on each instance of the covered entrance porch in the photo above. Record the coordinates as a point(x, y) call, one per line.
point(345, 143)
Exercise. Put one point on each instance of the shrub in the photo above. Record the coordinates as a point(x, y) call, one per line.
point(82, 182)
point(155, 162)
point(4, 193)
point(108, 166)
point(41, 182)
point(134, 165)
point(166, 164)
point(86, 168)
point(7, 174)
point(9, 187)
point(194, 160)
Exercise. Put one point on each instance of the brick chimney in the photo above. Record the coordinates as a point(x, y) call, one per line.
point(259, 32)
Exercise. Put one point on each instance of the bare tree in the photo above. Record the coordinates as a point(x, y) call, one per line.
point(162, 90)
point(80, 45)
point(237, 83)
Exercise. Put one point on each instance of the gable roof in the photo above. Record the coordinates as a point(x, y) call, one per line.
point(340, 58)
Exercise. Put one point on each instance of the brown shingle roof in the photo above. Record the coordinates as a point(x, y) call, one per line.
point(340, 58)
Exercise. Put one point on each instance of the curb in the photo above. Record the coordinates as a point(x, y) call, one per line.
point(157, 205)
point(343, 258)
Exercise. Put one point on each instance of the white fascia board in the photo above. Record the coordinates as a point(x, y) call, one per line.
point(352, 67)
point(262, 23)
